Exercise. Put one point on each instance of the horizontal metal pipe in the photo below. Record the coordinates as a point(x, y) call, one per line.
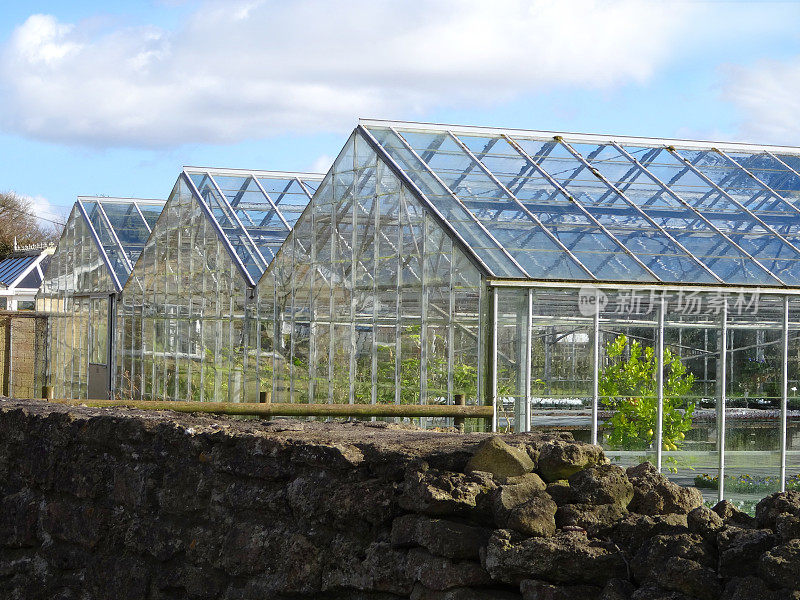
point(295, 410)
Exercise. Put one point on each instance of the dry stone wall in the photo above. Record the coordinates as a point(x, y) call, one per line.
point(110, 503)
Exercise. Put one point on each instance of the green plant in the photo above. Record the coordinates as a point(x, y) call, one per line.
point(628, 387)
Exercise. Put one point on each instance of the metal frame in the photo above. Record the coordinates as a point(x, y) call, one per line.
point(660, 383)
point(582, 138)
point(562, 190)
point(722, 385)
point(100, 247)
point(458, 201)
point(741, 206)
point(637, 208)
point(107, 221)
point(667, 287)
point(596, 366)
point(784, 389)
point(752, 176)
point(668, 190)
point(521, 206)
point(220, 232)
point(684, 252)
point(400, 173)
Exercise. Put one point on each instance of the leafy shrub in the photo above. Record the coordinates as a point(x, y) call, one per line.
point(628, 387)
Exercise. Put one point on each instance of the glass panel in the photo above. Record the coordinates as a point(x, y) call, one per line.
point(691, 334)
point(561, 363)
point(130, 229)
point(76, 270)
point(512, 316)
point(627, 409)
point(455, 213)
point(186, 300)
point(116, 257)
point(752, 436)
point(388, 303)
point(230, 224)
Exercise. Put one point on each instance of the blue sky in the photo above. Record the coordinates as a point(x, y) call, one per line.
point(112, 98)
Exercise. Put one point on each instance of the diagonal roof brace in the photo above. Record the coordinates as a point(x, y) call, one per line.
point(99, 244)
point(460, 203)
point(223, 200)
point(676, 196)
point(722, 192)
point(272, 204)
point(638, 209)
point(757, 180)
point(112, 231)
point(220, 232)
point(513, 143)
point(522, 207)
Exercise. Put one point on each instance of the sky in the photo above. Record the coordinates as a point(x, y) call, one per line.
point(112, 98)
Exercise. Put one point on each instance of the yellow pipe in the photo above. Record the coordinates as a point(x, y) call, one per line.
point(294, 410)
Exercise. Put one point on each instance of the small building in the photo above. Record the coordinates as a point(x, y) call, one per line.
point(21, 274)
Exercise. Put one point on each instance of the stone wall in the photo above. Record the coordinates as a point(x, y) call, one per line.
point(22, 353)
point(110, 503)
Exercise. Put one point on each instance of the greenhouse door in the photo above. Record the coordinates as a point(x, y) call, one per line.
point(100, 310)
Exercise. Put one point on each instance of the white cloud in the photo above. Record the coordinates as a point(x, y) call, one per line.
point(250, 69)
point(767, 95)
point(47, 213)
point(322, 164)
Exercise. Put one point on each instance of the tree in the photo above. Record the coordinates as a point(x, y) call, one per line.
point(628, 387)
point(17, 220)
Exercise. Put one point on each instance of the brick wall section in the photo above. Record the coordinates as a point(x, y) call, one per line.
point(23, 354)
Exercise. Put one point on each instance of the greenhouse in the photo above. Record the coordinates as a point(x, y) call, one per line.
point(101, 241)
point(640, 293)
point(187, 324)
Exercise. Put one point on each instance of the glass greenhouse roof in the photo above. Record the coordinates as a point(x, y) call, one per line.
point(539, 205)
point(120, 227)
point(255, 210)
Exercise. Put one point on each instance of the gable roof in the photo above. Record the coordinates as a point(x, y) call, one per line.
point(560, 206)
point(120, 227)
point(253, 211)
point(24, 270)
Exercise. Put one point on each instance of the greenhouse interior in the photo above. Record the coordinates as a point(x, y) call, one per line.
point(640, 293)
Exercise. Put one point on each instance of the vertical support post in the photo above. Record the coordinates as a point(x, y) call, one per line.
point(482, 364)
point(376, 225)
point(722, 379)
point(458, 422)
point(353, 259)
point(292, 244)
point(332, 316)
point(493, 357)
point(660, 384)
point(451, 317)
point(423, 329)
point(784, 388)
point(312, 308)
point(398, 326)
point(526, 415)
point(596, 366)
